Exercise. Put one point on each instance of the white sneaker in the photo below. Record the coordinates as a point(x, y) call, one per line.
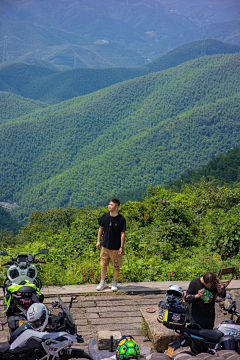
point(102, 285)
point(114, 286)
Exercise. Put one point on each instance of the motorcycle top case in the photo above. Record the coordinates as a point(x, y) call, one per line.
point(171, 316)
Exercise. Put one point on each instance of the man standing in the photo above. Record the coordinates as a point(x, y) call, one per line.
point(113, 227)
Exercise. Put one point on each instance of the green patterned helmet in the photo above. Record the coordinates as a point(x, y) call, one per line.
point(127, 348)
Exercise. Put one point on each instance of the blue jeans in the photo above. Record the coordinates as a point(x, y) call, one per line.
point(205, 323)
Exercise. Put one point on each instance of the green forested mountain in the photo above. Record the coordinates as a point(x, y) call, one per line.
point(225, 31)
point(223, 169)
point(15, 76)
point(190, 51)
point(55, 86)
point(134, 134)
point(7, 221)
point(12, 106)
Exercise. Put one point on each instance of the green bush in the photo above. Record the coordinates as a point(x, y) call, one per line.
point(169, 237)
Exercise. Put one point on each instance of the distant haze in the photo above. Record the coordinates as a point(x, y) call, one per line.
point(110, 33)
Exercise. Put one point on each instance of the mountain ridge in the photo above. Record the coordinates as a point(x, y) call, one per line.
point(54, 86)
point(73, 133)
point(133, 31)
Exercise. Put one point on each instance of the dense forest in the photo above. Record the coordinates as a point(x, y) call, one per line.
point(170, 236)
point(138, 133)
point(12, 105)
point(223, 170)
point(51, 86)
point(8, 224)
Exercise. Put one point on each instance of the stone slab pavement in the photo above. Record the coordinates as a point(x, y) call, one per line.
point(103, 312)
point(106, 310)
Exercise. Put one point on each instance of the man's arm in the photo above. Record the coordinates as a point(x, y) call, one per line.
point(100, 232)
point(192, 295)
point(121, 250)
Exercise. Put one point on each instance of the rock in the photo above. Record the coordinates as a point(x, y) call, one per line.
point(159, 334)
point(103, 339)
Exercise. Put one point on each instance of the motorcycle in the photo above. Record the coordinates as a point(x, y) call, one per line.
point(21, 287)
point(225, 336)
point(55, 343)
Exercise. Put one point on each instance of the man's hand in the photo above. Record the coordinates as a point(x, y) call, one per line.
point(199, 294)
point(98, 245)
point(121, 250)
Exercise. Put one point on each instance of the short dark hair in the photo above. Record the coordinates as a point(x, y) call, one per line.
point(115, 201)
point(209, 277)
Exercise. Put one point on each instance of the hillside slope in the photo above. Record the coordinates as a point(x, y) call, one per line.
point(59, 86)
point(14, 76)
point(222, 169)
point(228, 32)
point(8, 222)
point(137, 133)
point(13, 106)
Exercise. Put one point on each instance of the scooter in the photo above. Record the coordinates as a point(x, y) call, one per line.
point(226, 336)
point(21, 287)
point(56, 343)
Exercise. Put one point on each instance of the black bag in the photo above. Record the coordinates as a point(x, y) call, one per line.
point(173, 317)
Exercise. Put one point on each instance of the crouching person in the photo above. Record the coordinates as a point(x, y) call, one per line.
point(202, 293)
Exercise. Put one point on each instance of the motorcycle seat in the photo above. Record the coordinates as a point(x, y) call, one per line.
point(26, 289)
point(212, 335)
point(4, 347)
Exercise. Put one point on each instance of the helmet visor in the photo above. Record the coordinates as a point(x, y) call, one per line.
point(36, 324)
point(174, 293)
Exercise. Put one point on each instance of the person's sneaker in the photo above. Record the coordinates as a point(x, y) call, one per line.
point(102, 285)
point(114, 286)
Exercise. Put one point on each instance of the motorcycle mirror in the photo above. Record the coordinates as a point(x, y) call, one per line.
point(3, 253)
point(44, 251)
point(232, 307)
point(30, 258)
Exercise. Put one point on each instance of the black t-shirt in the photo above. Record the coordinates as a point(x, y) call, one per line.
point(204, 306)
point(113, 227)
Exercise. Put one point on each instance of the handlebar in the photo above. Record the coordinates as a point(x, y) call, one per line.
point(8, 263)
point(231, 309)
point(16, 263)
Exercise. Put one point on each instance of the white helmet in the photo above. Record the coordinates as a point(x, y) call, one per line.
point(37, 315)
point(174, 295)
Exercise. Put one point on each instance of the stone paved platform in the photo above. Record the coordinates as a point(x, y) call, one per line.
point(103, 312)
point(106, 310)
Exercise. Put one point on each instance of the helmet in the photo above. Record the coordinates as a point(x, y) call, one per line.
point(174, 295)
point(37, 315)
point(127, 348)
